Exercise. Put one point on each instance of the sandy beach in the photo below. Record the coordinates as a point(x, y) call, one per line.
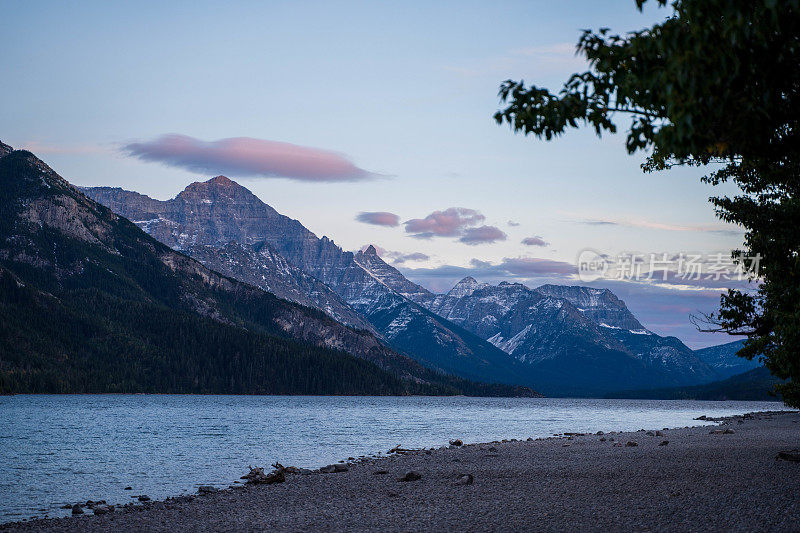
point(724, 477)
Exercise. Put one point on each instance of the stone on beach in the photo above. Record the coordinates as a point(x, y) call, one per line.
point(103, 509)
point(456, 442)
point(632, 443)
point(791, 455)
point(411, 476)
point(721, 432)
point(77, 509)
point(664, 443)
point(466, 479)
point(206, 489)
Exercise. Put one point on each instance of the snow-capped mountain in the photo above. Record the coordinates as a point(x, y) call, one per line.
point(577, 340)
point(575, 337)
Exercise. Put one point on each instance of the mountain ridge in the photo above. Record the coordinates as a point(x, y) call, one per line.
point(561, 339)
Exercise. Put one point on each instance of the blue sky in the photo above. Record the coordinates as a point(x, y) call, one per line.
point(403, 92)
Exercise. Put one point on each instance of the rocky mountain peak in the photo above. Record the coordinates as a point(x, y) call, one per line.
point(221, 181)
point(465, 287)
point(217, 188)
point(370, 250)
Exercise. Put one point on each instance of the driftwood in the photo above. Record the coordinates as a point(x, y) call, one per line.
point(401, 451)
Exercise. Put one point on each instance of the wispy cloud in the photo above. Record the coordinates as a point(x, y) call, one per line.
point(401, 258)
point(378, 218)
point(727, 229)
point(513, 223)
point(534, 241)
point(41, 148)
point(248, 157)
point(556, 58)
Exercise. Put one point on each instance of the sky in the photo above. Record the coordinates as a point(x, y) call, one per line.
point(371, 123)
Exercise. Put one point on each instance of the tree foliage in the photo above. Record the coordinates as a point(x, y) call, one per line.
point(716, 82)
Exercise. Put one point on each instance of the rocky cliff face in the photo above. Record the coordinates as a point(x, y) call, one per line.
point(229, 229)
point(599, 305)
point(207, 217)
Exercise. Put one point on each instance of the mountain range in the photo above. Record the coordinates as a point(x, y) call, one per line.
point(561, 340)
point(219, 215)
point(91, 303)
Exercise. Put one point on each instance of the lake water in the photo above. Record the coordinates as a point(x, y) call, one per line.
point(66, 449)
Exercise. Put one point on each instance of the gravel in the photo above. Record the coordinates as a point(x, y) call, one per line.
point(700, 482)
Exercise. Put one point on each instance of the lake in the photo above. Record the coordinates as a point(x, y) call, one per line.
point(66, 449)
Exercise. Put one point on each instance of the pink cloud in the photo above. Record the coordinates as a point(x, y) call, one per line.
point(482, 235)
point(448, 223)
point(534, 241)
point(248, 157)
point(378, 218)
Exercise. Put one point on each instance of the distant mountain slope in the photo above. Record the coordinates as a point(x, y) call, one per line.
point(90, 303)
point(575, 340)
point(217, 212)
point(723, 359)
point(754, 385)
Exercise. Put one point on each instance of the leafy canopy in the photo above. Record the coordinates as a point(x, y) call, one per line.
point(717, 81)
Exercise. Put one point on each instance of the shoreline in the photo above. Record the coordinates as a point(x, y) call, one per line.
point(514, 478)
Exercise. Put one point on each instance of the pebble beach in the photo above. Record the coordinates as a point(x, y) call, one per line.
point(740, 474)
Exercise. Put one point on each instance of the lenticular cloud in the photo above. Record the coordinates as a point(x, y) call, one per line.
point(248, 157)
